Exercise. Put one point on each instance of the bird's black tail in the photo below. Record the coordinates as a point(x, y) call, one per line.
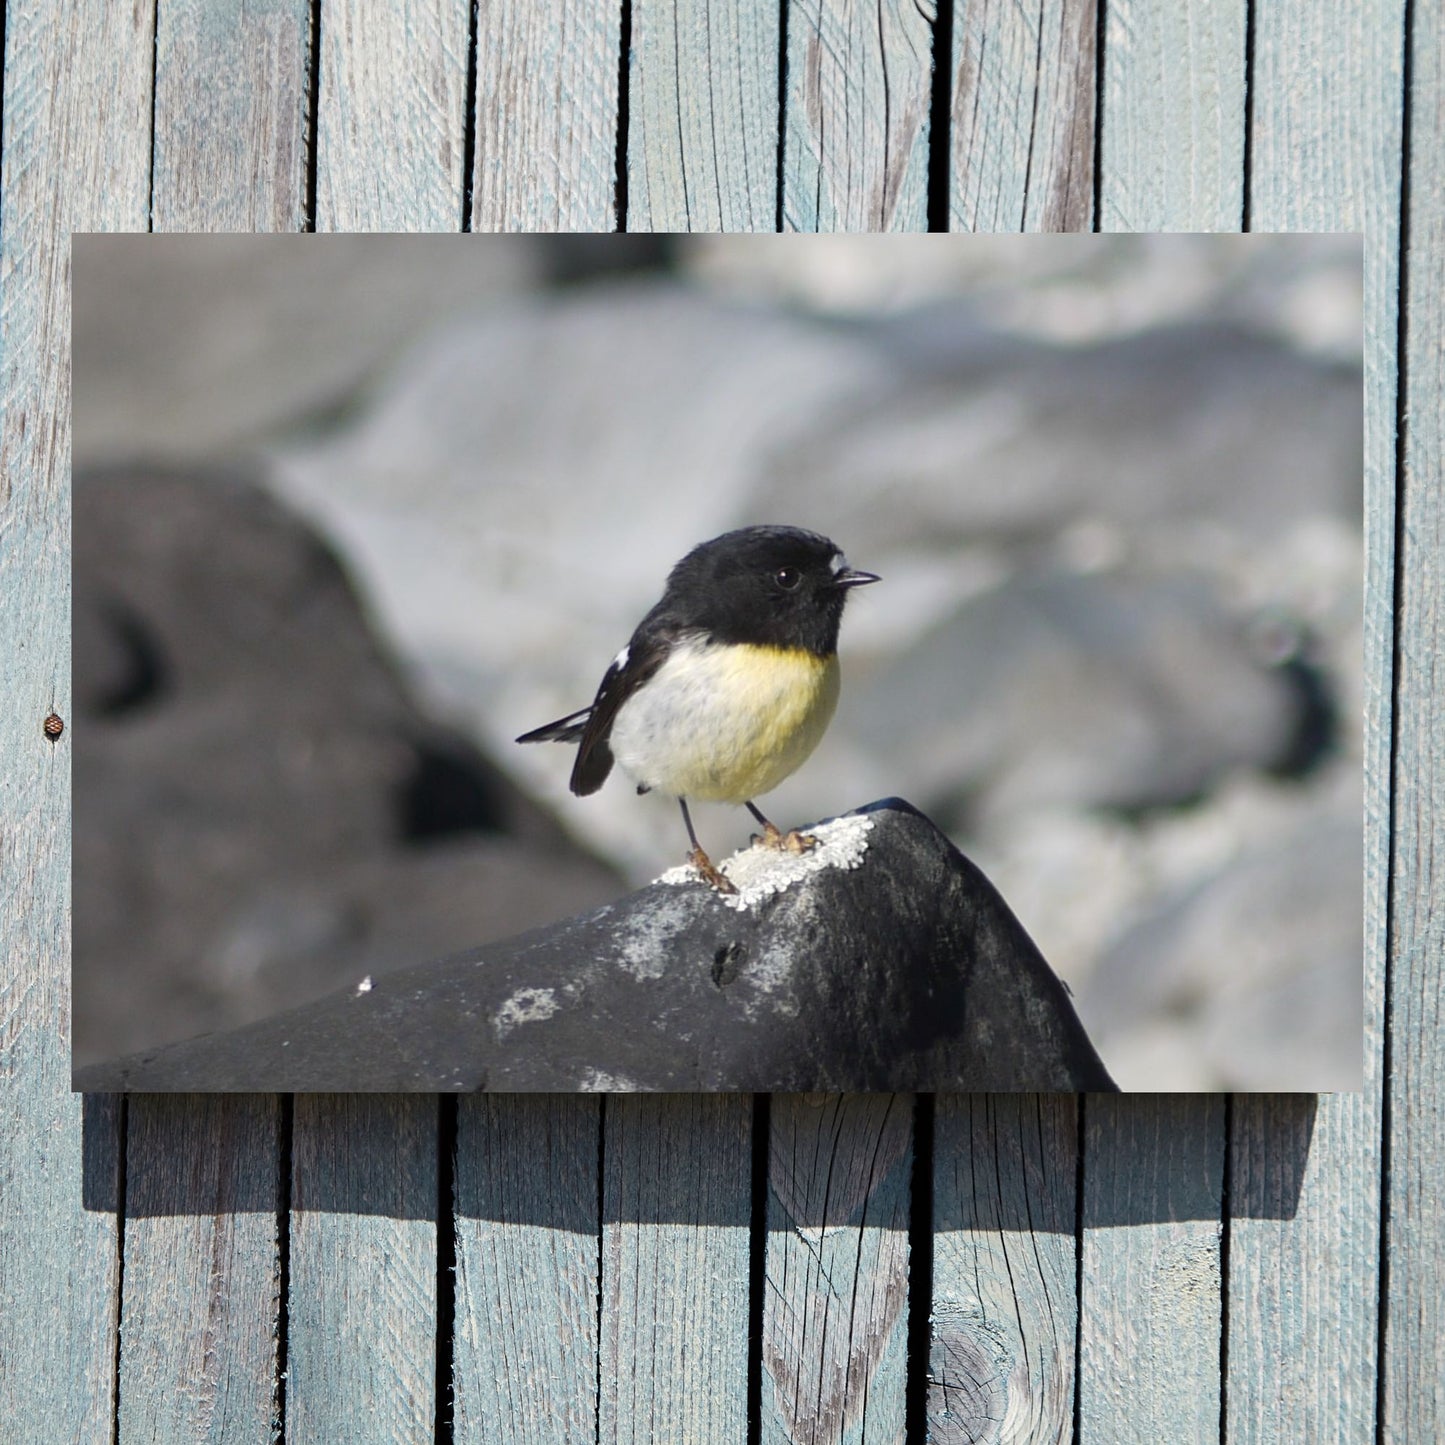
point(567, 729)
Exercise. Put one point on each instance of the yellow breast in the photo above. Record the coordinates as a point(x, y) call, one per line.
point(726, 723)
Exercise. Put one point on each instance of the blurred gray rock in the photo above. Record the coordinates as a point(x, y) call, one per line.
point(1261, 962)
point(258, 801)
point(1123, 690)
point(1011, 442)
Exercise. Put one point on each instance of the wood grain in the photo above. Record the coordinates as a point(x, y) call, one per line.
point(546, 115)
point(856, 115)
point(675, 1239)
point(361, 1358)
point(230, 115)
point(201, 1312)
point(702, 137)
point(1172, 119)
point(391, 115)
point(1022, 115)
point(525, 1343)
point(1414, 1353)
point(1001, 1362)
point(1150, 1307)
point(201, 1301)
point(1325, 146)
point(77, 98)
point(835, 1305)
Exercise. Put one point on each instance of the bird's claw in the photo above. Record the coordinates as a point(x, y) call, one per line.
point(704, 865)
point(789, 842)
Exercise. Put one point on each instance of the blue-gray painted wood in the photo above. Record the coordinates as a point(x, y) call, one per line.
point(1325, 149)
point(1150, 1307)
point(362, 1321)
point(1153, 1167)
point(230, 116)
point(77, 99)
point(702, 135)
point(1172, 138)
point(856, 117)
point(1001, 1358)
point(524, 1345)
point(677, 1203)
point(1326, 152)
point(1414, 1359)
point(545, 111)
point(200, 1310)
point(362, 1307)
point(835, 1303)
point(1022, 115)
point(391, 115)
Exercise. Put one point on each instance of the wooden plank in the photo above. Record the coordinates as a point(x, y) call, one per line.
point(77, 99)
point(1001, 1359)
point(363, 1318)
point(1414, 1346)
point(1303, 1329)
point(201, 1313)
point(1022, 115)
point(391, 115)
point(1301, 1358)
point(201, 1301)
point(546, 116)
point(527, 1250)
point(856, 115)
point(361, 1329)
point(835, 1305)
point(702, 138)
point(1150, 1308)
point(1172, 129)
point(677, 1208)
point(230, 115)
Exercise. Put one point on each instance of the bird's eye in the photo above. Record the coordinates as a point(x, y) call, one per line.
point(787, 578)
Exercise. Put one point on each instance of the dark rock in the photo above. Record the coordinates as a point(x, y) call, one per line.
point(894, 966)
point(259, 802)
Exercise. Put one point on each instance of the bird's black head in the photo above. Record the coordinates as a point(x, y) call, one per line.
point(769, 586)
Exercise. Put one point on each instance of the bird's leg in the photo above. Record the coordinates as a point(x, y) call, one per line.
point(701, 861)
point(772, 837)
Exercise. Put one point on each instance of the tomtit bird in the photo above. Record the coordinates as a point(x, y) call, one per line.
point(727, 684)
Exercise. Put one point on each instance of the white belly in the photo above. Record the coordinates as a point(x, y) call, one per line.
point(725, 724)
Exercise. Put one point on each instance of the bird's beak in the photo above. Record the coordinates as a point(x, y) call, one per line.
point(850, 578)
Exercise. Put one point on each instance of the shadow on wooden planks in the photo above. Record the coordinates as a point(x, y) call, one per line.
point(1288, 1132)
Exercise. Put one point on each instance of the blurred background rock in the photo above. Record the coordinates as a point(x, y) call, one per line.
point(353, 512)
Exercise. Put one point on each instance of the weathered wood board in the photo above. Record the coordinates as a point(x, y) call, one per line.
point(1005, 1269)
point(835, 1302)
point(1325, 140)
point(666, 1270)
point(676, 1223)
point(528, 1259)
point(76, 156)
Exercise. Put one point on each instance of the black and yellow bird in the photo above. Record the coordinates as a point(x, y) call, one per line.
point(727, 684)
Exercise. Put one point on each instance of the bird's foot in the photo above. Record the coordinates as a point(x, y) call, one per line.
point(789, 842)
point(704, 865)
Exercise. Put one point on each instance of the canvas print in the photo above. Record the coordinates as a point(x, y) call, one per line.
point(717, 663)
